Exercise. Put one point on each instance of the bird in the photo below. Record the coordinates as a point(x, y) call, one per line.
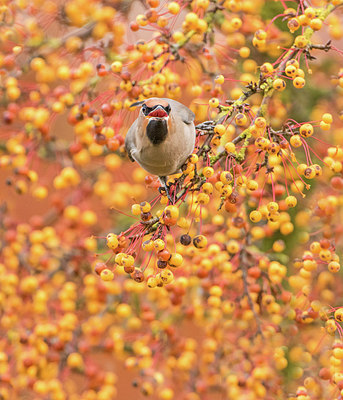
point(162, 137)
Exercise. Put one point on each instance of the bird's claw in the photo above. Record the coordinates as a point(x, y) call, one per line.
point(165, 188)
point(164, 191)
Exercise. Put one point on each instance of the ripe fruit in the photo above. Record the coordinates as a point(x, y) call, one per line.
point(174, 8)
point(300, 41)
point(255, 216)
point(295, 141)
point(291, 201)
point(112, 241)
point(219, 79)
point(306, 130)
point(175, 260)
point(316, 24)
point(298, 82)
point(327, 118)
point(290, 70)
point(107, 275)
point(266, 68)
point(241, 119)
point(200, 241)
point(213, 103)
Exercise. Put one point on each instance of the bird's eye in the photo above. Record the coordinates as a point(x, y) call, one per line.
point(144, 109)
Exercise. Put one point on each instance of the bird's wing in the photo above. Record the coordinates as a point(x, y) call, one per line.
point(186, 115)
point(130, 141)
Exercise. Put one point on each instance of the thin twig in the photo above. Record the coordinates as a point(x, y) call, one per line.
point(244, 268)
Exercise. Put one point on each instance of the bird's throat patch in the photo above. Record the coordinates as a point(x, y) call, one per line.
point(157, 130)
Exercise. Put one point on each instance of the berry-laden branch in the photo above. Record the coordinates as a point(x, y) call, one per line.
point(268, 83)
point(237, 113)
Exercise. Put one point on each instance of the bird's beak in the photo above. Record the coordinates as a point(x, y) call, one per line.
point(158, 112)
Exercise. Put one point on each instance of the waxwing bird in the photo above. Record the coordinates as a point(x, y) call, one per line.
point(161, 138)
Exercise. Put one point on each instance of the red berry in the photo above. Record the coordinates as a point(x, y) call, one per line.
point(337, 183)
point(134, 26)
point(107, 109)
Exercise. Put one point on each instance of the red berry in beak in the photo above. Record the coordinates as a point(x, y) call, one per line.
point(158, 112)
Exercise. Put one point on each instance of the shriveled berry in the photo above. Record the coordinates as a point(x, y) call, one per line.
point(137, 275)
point(185, 240)
point(161, 264)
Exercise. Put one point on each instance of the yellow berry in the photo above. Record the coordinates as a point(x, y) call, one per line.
point(219, 79)
point(159, 244)
point(291, 70)
point(291, 201)
point(136, 209)
point(74, 360)
point(316, 24)
point(200, 241)
point(145, 207)
point(107, 275)
point(324, 126)
point(298, 82)
point(174, 8)
point(213, 103)
point(226, 177)
point(175, 260)
point(327, 118)
point(267, 68)
point(300, 41)
point(244, 52)
point(339, 314)
point(208, 172)
point(112, 241)
point(241, 119)
point(220, 129)
point(295, 141)
point(306, 130)
point(255, 216)
point(230, 147)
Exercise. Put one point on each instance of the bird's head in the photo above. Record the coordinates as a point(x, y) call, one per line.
point(154, 119)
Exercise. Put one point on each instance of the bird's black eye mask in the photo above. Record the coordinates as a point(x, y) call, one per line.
point(158, 109)
point(155, 111)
